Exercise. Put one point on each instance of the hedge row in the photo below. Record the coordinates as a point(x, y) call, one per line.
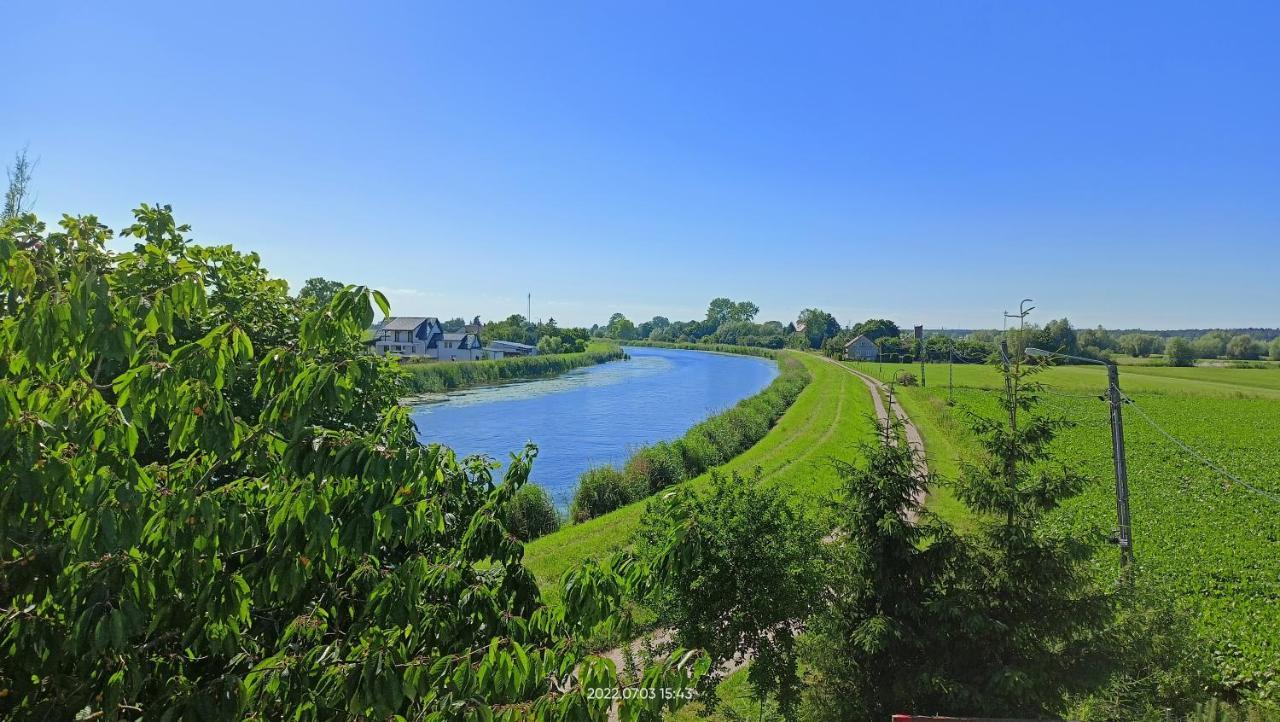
point(451, 375)
point(707, 444)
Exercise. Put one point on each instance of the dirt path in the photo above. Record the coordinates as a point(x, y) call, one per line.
point(874, 386)
point(914, 440)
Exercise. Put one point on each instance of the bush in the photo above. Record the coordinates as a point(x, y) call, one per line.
point(531, 513)
point(601, 490)
point(1178, 352)
point(1274, 349)
point(905, 378)
point(657, 466)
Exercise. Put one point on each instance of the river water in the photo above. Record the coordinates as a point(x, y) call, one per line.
point(593, 415)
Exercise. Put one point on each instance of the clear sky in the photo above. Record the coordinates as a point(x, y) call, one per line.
point(930, 162)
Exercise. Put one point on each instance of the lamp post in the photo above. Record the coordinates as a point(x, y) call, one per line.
point(1114, 398)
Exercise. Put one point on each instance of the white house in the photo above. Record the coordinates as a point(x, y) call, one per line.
point(424, 336)
point(861, 348)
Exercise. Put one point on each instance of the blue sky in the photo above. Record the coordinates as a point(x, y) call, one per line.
point(931, 162)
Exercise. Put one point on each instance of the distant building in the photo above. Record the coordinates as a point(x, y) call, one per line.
point(861, 348)
point(423, 336)
point(506, 349)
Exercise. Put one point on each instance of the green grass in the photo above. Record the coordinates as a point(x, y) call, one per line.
point(828, 420)
point(1199, 381)
point(1211, 544)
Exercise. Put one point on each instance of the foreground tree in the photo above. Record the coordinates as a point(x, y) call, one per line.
point(1035, 637)
point(750, 577)
point(214, 509)
point(878, 643)
point(1006, 621)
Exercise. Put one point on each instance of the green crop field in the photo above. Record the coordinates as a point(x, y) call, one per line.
point(828, 420)
point(1210, 543)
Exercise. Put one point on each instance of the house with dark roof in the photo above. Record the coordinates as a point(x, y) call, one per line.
point(861, 348)
point(423, 336)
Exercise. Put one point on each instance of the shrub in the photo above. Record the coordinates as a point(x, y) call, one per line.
point(700, 451)
point(1178, 352)
point(531, 513)
point(601, 490)
point(1274, 349)
point(905, 378)
point(657, 466)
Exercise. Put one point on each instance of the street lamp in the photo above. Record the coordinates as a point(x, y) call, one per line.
point(1125, 537)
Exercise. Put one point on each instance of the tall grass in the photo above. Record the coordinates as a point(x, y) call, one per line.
point(709, 443)
point(451, 375)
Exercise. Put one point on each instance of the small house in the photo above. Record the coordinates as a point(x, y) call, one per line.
point(861, 348)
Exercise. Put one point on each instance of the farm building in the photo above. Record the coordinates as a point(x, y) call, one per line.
point(507, 349)
point(861, 348)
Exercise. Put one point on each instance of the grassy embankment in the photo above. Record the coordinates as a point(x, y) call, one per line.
point(829, 417)
point(1206, 541)
point(439, 377)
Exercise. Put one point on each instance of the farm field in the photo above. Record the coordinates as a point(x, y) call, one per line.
point(1212, 544)
point(1200, 381)
point(829, 418)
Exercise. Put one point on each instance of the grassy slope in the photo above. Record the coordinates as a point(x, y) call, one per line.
point(829, 418)
point(1211, 544)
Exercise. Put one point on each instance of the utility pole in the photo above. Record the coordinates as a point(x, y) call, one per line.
point(1008, 385)
point(1124, 537)
point(528, 311)
point(920, 351)
point(951, 376)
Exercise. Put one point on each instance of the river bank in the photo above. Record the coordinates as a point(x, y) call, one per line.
point(827, 420)
point(442, 377)
point(595, 415)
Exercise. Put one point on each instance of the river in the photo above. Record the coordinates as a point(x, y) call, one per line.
point(593, 415)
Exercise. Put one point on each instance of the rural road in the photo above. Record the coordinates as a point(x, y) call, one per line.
point(661, 637)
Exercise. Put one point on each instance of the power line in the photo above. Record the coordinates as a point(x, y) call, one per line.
point(1199, 456)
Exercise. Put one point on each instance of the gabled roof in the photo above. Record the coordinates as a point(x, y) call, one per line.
point(859, 337)
point(464, 340)
point(408, 323)
point(511, 345)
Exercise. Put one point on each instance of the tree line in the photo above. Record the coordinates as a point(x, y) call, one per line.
point(733, 323)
